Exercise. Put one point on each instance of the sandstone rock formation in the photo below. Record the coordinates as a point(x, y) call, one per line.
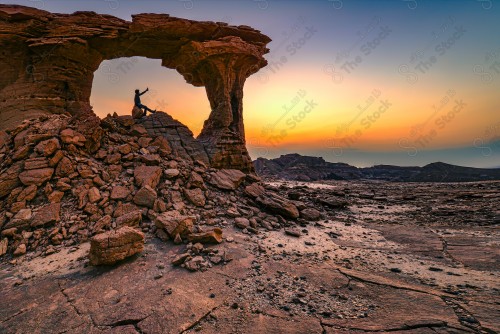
point(48, 63)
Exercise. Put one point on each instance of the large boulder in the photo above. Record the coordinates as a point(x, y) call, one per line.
point(47, 215)
point(277, 204)
point(147, 176)
point(113, 246)
point(333, 202)
point(21, 220)
point(227, 179)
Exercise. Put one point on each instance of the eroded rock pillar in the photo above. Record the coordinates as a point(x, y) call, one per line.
point(222, 67)
point(223, 133)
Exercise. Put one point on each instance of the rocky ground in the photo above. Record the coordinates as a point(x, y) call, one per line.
point(361, 257)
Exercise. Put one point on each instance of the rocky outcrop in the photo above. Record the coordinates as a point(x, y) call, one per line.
point(64, 191)
point(48, 62)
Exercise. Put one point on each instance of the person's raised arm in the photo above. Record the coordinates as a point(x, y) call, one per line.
point(144, 91)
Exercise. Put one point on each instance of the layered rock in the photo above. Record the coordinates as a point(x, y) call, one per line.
point(49, 61)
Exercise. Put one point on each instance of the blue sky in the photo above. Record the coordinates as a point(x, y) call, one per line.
point(390, 37)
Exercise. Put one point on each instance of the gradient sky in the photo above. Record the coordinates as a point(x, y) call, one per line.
point(395, 82)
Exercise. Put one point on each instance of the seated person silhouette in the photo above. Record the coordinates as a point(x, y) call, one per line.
point(137, 101)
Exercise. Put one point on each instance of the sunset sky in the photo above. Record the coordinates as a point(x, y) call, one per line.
point(387, 82)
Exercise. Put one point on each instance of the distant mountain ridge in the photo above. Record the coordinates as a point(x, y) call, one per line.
point(306, 168)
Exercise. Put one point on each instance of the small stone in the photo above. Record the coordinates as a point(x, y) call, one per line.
point(210, 237)
point(171, 173)
point(195, 196)
point(177, 239)
point(94, 195)
point(241, 222)
point(180, 259)
point(293, 233)
point(310, 214)
point(20, 250)
point(3, 246)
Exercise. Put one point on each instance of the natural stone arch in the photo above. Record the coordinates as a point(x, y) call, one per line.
point(50, 60)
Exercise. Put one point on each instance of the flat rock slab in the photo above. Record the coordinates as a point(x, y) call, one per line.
point(477, 252)
point(396, 309)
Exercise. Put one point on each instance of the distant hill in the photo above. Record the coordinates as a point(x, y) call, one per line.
point(305, 168)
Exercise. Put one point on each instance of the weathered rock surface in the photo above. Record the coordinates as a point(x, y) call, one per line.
point(229, 179)
point(111, 247)
point(215, 55)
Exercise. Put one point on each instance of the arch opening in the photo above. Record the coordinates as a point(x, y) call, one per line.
point(116, 80)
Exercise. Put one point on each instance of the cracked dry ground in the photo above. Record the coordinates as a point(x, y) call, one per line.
point(402, 258)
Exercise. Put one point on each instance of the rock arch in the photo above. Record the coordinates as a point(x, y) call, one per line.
point(48, 62)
